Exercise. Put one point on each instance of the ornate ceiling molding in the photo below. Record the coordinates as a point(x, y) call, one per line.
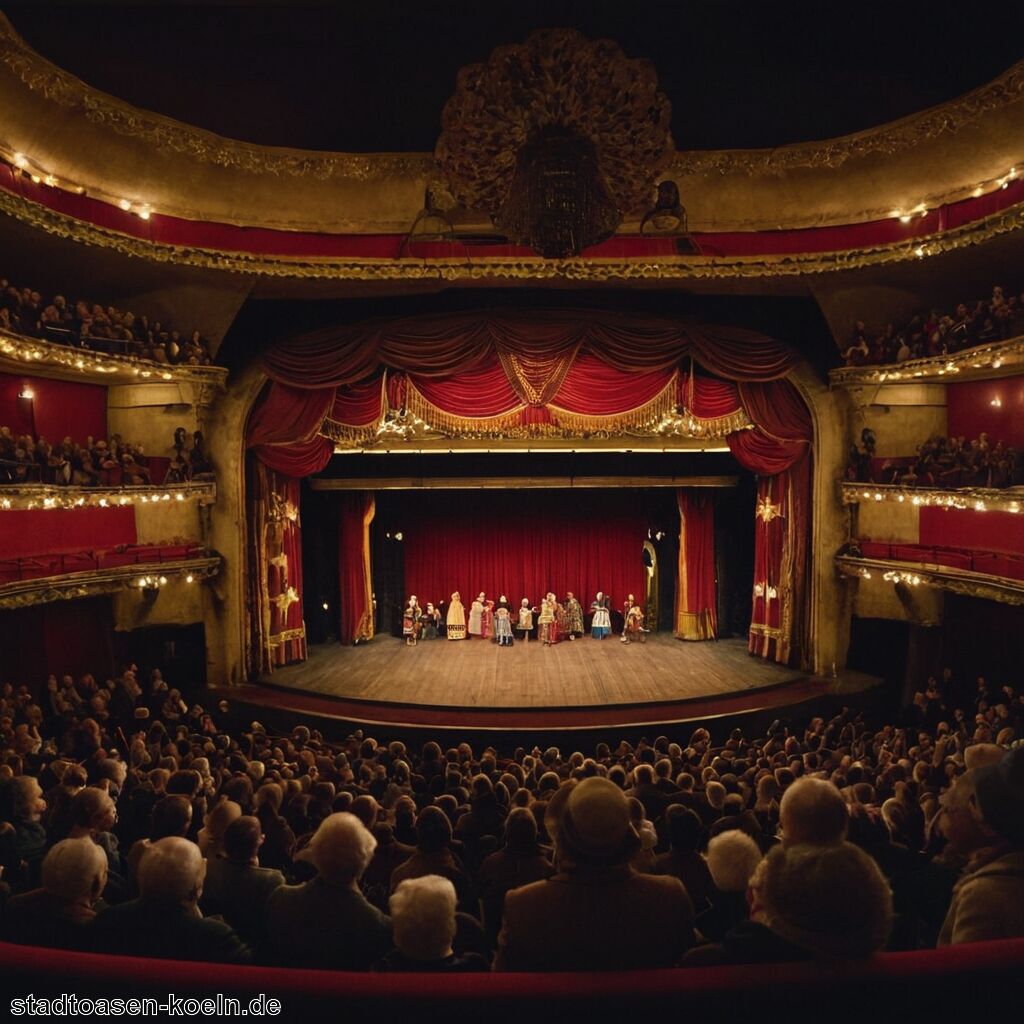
point(467, 269)
point(58, 86)
point(165, 133)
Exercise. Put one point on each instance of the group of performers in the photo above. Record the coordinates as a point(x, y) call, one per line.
point(550, 622)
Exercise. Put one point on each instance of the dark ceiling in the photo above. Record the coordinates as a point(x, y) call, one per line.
point(361, 76)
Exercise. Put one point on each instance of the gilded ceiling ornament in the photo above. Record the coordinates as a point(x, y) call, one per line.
point(557, 139)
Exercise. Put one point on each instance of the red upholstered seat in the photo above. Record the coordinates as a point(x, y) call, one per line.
point(157, 466)
point(82, 562)
point(168, 552)
point(876, 549)
point(34, 568)
point(954, 559)
point(912, 553)
point(112, 559)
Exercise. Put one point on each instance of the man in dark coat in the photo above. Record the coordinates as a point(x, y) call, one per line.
point(165, 921)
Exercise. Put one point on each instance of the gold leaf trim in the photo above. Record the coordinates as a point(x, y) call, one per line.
point(279, 639)
point(515, 268)
point(954, 581)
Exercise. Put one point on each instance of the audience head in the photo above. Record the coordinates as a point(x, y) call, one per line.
point(423, 917)
point(171, 871)
point(732, 859)
point(829, 900)
point(242, 839)
point(341, 849)
point(590, 824)
point(812, 811)
point(75, 871)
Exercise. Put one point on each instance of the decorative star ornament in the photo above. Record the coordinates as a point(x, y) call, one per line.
point(766, 511)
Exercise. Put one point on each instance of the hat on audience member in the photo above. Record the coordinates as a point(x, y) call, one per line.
point(999, 789)
point(592, 822)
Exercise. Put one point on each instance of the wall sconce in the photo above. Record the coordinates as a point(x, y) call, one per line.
point(996, 403)
point(27, 393)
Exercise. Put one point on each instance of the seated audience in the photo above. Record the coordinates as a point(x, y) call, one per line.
point(572, 921)
point(983, 819)
point(74, 874)
point(732, 860)
point(236, 886)
point(423, 918)
point(165, 920)
point(812, 811)
point(819, 902)
point(327, 922)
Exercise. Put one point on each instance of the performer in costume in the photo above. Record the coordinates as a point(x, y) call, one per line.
point(431, 622)
point(559, 614)
point(526, 618)
point(411, 624)
point(546, 622)
point(456, 619)
point(601, 625)
point(503, 626)
point(626, 608)
point(486, 618)
point(573, 616)
point(476, 615)
point(634, 630)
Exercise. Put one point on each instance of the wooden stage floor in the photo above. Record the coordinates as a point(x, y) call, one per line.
point(585, 673)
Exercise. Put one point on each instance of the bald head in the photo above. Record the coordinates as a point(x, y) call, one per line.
point(172, 871)
point(812, 811)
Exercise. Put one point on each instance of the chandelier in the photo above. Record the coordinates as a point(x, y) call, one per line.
point(557, 140)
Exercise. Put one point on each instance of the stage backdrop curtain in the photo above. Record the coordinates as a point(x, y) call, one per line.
point(523, 544)
point(354, 569)
point(277, 628)
point(696, 598)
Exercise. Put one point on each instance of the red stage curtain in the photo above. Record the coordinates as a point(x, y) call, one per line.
point(277, 628)
point(451, 343)
point(28, 532)
point(284, 429)
point(523, 544)
point(354, 570)
point(778, 450)
point(594, 388)
point(59, 409)
point(696, 600)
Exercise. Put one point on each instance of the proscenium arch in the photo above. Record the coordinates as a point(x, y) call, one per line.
point(827, 599)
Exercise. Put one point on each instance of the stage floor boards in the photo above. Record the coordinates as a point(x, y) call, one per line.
point(477, 674)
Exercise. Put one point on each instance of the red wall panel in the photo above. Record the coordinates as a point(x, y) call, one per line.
point(970, 411)
point(59, 409)
point(52, 531)
point(975, 531)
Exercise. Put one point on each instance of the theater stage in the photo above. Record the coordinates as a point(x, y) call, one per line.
point(578, 684)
